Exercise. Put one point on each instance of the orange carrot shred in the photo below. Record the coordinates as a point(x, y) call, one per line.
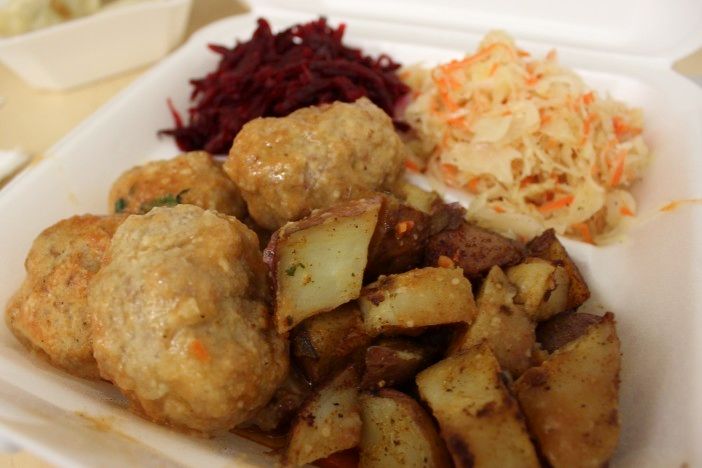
point(199, 351)
point(498, 209)
point(411, 166)
point(556, 204)
point(584, 231)
point(625, 211)
point(618, 169)
point(473, 185)
point(493, 69)
point(588, 98)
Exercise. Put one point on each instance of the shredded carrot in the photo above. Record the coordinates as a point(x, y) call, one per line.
point(620, 127)
point(587, 124)
point(478, 56)
point(532, 80)
point(618, 169)
point(523, 53)
point(472, 185)
point(625, 211)
point(528, 180)
point(556, 204)
point(498, 209)
point(584, 231)
point(493, 69)
point(552, 55)
point(672, 206)
point(588, 98)
point(411, 166)
point(199, 350)
point(545, 118)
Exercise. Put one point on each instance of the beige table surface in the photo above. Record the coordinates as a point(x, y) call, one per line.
point(34, 120)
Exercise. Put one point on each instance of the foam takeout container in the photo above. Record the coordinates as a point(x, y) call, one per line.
point(115, 39)
point(650, 280)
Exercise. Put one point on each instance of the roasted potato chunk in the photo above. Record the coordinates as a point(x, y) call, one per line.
point(399, 239)
point(571, 400)
point(317, 263)
point(398, 432)
point(501, 323)
point(472, 248)
point(417, 198)
point(548, 247)
point(322, 344)
point(329, 422)
point(560, 330)
point(394, 361)
point(415, 299)
point(542, 288)
point(479, 419)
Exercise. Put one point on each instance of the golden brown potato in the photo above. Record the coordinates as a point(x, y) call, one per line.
point(329, 422)
point(192, 178)
point(417, 198)
point(394, 361)
point(399, 239)
point(542, 288)
point(502, 324)
point(323, 343)
point(410, 301)
point(317, 263)
point(548, 247)
point(472, 248)
point(563, 328)
point(479, 419)
point(571, 400)
point(398, 432)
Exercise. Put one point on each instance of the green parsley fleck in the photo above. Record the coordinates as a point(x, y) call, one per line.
point(290, 271)
point(120, 205)
point(166, 200)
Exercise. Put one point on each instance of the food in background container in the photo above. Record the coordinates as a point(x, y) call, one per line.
point(536, 147)
point(21, 16)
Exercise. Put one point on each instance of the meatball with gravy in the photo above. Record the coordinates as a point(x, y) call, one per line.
point(192, 178)
point(181, 322)
point(49, 313)
point(314, 158)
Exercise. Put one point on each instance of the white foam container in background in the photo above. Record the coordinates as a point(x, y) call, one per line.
point(85, 49)
point(651, 281)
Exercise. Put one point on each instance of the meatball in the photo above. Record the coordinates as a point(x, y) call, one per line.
point(49, 313)
point(181, 322)
point(192, 178)
point(314, 158)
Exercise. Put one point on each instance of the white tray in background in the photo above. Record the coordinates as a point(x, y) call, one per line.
point(650, 281)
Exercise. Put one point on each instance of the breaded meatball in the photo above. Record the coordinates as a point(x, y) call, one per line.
point(181, 322)
point(49, 313)
point(314, 158)
point(191, 178)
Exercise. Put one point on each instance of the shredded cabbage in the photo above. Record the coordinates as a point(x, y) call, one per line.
point(536, 147)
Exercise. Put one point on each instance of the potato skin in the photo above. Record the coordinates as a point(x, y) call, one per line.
point(548, 247)
point(49, 314)
point(394, 361)
point(560, 330)
point(192, 178)
point(472, 248)
point(181, 319)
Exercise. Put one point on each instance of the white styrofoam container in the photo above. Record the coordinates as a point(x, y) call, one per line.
point(85, 49)
point(650, 281)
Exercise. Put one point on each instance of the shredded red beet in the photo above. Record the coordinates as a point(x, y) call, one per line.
point(271, 75)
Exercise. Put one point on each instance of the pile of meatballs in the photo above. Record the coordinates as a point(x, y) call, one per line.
point(168, 298)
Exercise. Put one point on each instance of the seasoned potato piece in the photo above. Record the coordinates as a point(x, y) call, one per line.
point(329, 422)
point(446, 217)
point(563, 328)
point(472, 248)
point(399, 239)
point(398, 432)
point(417, 198)
point(415, 299)
point(548, 247)
point(479, 419)
point(502, 324)
point(571, 400)
point(322, 343)
point(542, 288)
point(393, 361)
point(317, 263)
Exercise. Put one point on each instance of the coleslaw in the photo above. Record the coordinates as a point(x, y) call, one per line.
point(529, 140)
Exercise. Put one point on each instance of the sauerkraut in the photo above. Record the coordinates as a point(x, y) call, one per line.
point(529, 140)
